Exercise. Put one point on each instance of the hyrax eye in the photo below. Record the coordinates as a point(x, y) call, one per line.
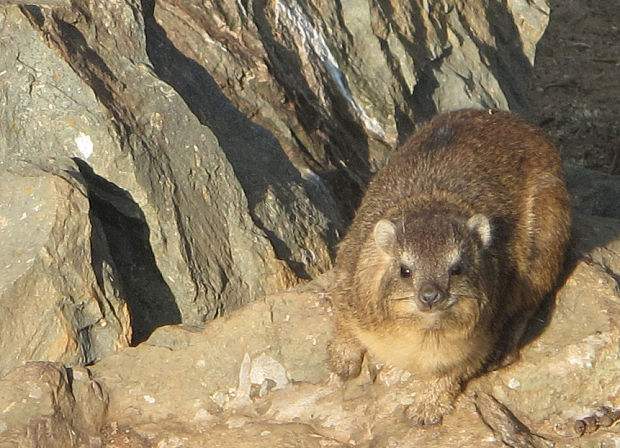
point(405, 272)
point(457, 269)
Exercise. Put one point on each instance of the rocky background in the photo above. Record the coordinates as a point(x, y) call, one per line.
point(165, 163)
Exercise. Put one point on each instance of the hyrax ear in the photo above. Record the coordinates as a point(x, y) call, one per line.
point(480, 224)
point(385, 236)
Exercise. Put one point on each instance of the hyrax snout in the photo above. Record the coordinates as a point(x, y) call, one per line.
point(455, 244)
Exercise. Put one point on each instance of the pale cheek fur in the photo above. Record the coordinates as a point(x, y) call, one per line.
point(402, 308)
point(371, 273)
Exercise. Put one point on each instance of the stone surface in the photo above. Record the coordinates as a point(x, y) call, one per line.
point(45, 405)
point(594, 193)
point(567, 373)
point(224, 145)
point(259, 377)
point(169, 201)
point(60, 294)
point(341, 83)
point(259, 369)
point(163, 163)
point(92, 95)
point(570, 372)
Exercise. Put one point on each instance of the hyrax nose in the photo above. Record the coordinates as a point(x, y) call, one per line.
point(429, 296)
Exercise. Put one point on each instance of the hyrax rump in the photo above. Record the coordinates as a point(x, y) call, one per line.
point(455, 244)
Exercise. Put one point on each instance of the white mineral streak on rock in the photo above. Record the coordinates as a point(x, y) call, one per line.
point(244, 376)
point(84, 145)
point(241, 395)
point(36, 393)
point(514, 383)
point(265, 367)
point(236, 421)
point(315, 43)
point(170, 442)
point(220, 398)
point(583, 354)
point(202, 416)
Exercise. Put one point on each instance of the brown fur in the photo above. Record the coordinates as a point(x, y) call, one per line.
point(474, 205)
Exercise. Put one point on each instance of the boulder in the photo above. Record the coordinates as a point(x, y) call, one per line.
point(225, 145)
point(170, 205)
point(593, 192)
point(166, 163)
point(259, 377)
point(46, 405)
point(340, 84)
point(60, 291)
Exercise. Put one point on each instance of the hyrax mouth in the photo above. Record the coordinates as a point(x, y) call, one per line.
point(417, 304)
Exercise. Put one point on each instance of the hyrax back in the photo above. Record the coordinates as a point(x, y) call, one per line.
point(456, 242)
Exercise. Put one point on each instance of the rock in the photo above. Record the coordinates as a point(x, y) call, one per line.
point(259, 377)
point(224, 145)
point(46, 405)
point(60, 293)
point(174, 213)
point(505, 426)
point(594, 193)
point(255, 377)
point(288, 201)
point(278, 340)
point(165, 163)
point(340, 84)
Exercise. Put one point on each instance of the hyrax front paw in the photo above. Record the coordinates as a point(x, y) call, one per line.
point(345, 357)
point(434, 401)
point(427, 413)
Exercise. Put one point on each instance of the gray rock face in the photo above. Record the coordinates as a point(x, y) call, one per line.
point(250, 378)
point(169, 203)
point(168, 162)
point(221, 146)
point(340, 84)
point(61, 297)
point(594, 193)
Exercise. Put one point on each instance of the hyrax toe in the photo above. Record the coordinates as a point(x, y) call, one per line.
point(345, 359)
point(427, 414)
point(434, 401)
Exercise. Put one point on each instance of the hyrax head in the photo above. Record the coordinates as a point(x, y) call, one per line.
point(436, 268)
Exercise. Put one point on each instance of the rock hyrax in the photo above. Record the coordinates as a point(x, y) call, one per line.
point(455, 244)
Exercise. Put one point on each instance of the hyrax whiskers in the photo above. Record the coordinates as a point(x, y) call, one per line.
point(455, 244)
